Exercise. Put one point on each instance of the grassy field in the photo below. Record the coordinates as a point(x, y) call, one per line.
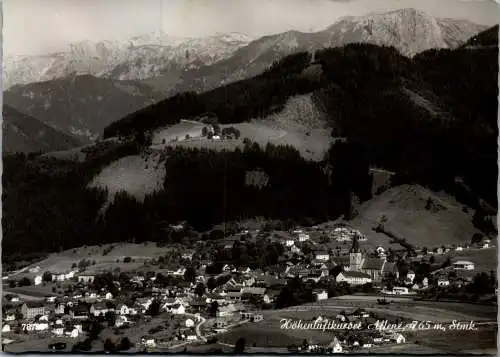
point(485, 260)
point(32, 343)
point(269, 332)
point(34, 290)
point(311, 144)
point(260, 334)
point(404, 208)
point(300, 124)
point(177, 132)
point(136, 175)
point(63, 261)
point(170, 324)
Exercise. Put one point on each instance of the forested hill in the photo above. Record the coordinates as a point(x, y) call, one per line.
point(410, 114)
point(430, 119)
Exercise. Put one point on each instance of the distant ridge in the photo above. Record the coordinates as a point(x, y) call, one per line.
point(25, 134)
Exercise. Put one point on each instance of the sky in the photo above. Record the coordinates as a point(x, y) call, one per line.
point(42, 26)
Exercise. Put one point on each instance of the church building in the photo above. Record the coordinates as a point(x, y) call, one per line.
point(376, 268)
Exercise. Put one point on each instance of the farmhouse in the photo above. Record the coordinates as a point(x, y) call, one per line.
point(303, 237)
point(354, 278)
point(148, 341)
point(322, 255)
point(463, 265)
point(63, 276)
point(334, 346)
point(398, 338)
point(321, 295)
point(443, 281)
point(86, 279)
point(410, 276)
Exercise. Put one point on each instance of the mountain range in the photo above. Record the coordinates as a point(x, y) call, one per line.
point(85, 88)
point(140, 57)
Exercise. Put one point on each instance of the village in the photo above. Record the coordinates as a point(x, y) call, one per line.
point(195, 296)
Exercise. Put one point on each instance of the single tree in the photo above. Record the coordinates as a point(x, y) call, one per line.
point(109, 345)
point(154, 308)
point(239, 346)
point(47, 277)
point(125, 344)
point(214, 307)
point(199, 289)
point(190, 275)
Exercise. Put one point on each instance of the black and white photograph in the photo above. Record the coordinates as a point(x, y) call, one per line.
point(250, 177)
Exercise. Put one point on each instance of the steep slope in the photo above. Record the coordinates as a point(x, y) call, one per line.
point(443, 221)
point(408, 30)
point(80, 105)
point(485, 38)
point(22, 133)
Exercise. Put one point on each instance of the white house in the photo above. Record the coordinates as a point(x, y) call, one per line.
point(335, 346)
point(289, 243)
point(10, 317)
point(180, 271)
point(398, 290)
point(148, 341)
point(74, 333)
point(459, 248)
point(398, 338)
point(63, 276)
point(410, 276)
point(38, 280)
point(86, 278)
point(58, 330)
point(354, 278)
point(177, 309)
point(322, 256)
point(443, 282)
point(463, 265)
point(303, 237)
point(321, 295)
point(122, 309)
point(121, 321)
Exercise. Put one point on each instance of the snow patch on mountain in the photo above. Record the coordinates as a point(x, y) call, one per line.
point(139, 57)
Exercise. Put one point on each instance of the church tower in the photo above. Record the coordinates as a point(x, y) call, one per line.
point(355, 256)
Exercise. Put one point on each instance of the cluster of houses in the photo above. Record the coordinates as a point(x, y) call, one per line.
point(236, 298)
point(352, 340)
point(347, 234)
